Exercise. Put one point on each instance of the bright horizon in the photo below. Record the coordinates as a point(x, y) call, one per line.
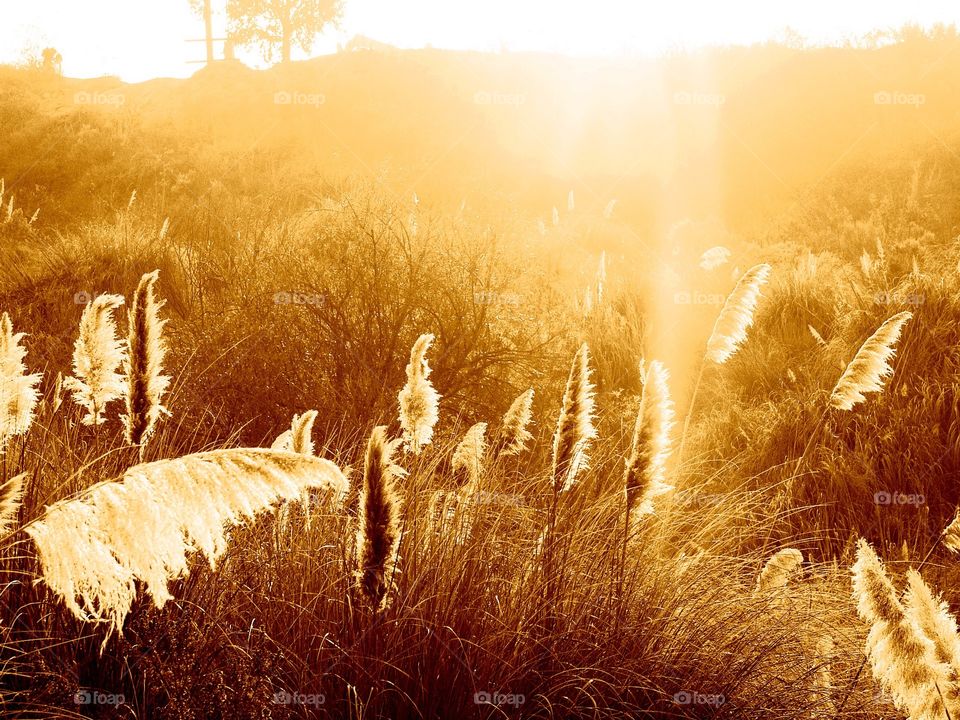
point(142, 40)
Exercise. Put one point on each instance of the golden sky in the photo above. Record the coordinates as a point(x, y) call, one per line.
point(139, 39)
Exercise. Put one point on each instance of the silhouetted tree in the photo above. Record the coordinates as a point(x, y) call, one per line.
point(270, 24)
point(52, 61)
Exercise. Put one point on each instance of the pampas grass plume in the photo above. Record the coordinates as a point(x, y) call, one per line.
point(146, 383)
point(645, 475)
point(870, 366)
point(94, 549)
point(97, 356)
point(419, 401)
point(378, 532)
point(575, 431)
point(18, 389)
point(730, 328)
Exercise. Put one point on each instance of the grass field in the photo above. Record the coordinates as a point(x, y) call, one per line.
point(307, 413)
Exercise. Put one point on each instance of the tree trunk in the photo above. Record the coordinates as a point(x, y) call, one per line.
point(208, 27)
point(285, 46)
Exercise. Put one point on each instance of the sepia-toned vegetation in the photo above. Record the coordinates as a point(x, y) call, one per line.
point(275, 443)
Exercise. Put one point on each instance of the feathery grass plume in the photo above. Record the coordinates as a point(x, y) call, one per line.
point(575, 429)
point(779, 569)
point(933, 618)
point(94, 548)
point(18, 390)
point(903, 659)
point(555, 217)
point(645, 475)
point(866, 264)
point(301, 428)
point(146, 349)
point(468, 455)
point(951, 534)
point(296, 439)
point(730, 328)
point(378, 533)
point(97, 356)
point(513, 434)
point(418, 399)
point(571, 205)
point(11, 495)
point(714, 258)
point(870, 365)
point(816, 336)
point(587, 302)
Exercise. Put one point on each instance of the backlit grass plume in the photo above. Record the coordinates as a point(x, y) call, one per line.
point(513, 435)
point(97, 357)
point(298, 438)
point(418, 399)
point(903, 658)
point(146, 384)
point(11, 495)
point(468, 455)
point(645, 475)
point(18, 390)
point(870, 366)
point(779, 569)
point(95, 548)
point(378, 532)
point(730, 328)
point(575, 430)
point(951, 534)
point(934, 619)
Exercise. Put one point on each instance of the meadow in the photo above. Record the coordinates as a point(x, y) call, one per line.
point(282, 439)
